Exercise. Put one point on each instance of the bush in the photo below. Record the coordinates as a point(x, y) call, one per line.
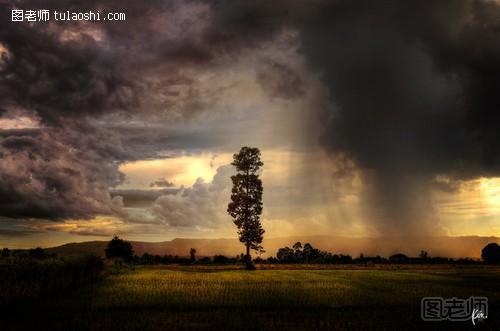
point(24, 279)
point(399, 258)
point(491, 253)
point(119, 249)
point(307, 254)
point(220, 259)
point(204, 260)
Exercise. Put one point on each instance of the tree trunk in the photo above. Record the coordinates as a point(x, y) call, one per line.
point(248, 260)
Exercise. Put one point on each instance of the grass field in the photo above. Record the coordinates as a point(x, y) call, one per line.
point(279, 298)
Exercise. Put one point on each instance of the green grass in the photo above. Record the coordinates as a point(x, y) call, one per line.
point(165, 288)
point(190, 297)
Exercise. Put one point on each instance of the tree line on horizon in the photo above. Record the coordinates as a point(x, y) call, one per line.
point(120, 251)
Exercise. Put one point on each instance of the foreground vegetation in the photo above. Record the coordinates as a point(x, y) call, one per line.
point(186, 287)
point(274, 298)
point(28, 279)
point(302, 288)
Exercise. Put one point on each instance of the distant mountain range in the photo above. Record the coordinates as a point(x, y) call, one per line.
point(456, 247)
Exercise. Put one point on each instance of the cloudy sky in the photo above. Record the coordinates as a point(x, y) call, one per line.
point(374, 118)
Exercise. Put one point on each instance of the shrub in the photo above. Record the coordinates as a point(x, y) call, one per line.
point(491, 253)
point(398, 258)
point(24, 279)
point(119, 248)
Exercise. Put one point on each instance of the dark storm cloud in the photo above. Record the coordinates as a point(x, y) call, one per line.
point(141, 198)
point(281, 81)
point(67, 75)
point(19, 132)
point(45, 177)
point(415, 98)
point(86, 80)
point(415, 88)
point(19, 143)
point(94, 67)
point(16, 233)
point(145, 142)
point(161, 182)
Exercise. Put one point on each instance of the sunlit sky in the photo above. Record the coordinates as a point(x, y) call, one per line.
point(369, 125)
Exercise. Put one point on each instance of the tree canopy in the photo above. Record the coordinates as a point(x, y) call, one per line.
point(119, 248)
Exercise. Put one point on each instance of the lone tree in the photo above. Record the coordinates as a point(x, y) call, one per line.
point(119, 248)
point(246, 200)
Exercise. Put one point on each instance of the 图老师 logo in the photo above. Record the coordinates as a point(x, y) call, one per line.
point(454, 309)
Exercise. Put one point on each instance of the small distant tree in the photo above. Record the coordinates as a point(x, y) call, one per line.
point(246, 200)
point(308, 252)
point(398, 258)
point(285, 255)
point(297, 248)
point(119, 248)
point(491, 253)
point(424, 255)
point(37, 253)
point(5, 252)
point(221, 259)
point(192, 253)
